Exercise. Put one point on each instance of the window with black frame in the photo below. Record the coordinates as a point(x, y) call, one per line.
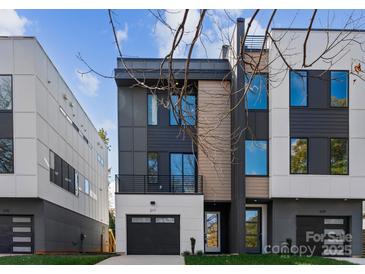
point(298, 155)
point(6, 156)
point(256, 158)
point(6, 93)
point(182, 172)
point(152, 109)
point(152, 167)
point(339, 156)
point(63, 174)
point(188, 111)
point(339, 88)
point(298, 88)
point(257, 94)
point(6, 144)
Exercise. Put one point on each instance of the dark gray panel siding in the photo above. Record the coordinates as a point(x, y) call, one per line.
point(286, 210)
point(132, 130)
point(308, 122)
point(238, 193)
point(318, 89)
point(258, 121)
point(6, 125)
point(319, 156)
point(166, 139)
point(56, 228)
point(64, 228)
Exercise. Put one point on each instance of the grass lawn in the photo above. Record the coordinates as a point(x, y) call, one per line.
point(251, 259)
point(52, 259)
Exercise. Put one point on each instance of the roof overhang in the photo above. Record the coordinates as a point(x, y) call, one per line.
point(149, 70)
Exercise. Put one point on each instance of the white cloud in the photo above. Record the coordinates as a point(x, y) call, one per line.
point(88, 83)
point(107, 125)
point(11, 23)
point(164, 36)
point(256, 28)
point(218, 29)
point(122, 34)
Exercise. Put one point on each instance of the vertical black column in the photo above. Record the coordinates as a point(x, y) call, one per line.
point(238, 195)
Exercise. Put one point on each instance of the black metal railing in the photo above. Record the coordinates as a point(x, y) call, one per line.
point(255, 42)
point(159, 184)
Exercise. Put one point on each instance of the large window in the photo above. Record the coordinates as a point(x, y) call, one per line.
point(339, 88)
point(63, 174)
point(6, 93)
point(339, 156)
point(298, 155)
point(256, 158)
point(188, 110)
point(152, 167)
point(6, 156)
point(182, 172)
point(152, 109)
point(257, 93)
point(298, 89)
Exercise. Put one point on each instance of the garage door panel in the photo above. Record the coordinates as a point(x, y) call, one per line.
point(153, 234)
point(324, 227)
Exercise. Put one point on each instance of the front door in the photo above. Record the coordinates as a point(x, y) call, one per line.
point(253, 230)
point(212, 232)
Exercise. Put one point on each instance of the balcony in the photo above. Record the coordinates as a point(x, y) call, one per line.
point(159, 184)
point(255, 42)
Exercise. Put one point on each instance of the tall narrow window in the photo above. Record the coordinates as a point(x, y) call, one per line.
point(86, 186)
point(6, 156)
point(182, 171)
point(256, 158)
point(339, 88)
point(252, 224)
point(51, 167)
point(188, 111)
point(298, 89)
point(6, 93)
point(298, 155)
point(77, 183)
point(152, 109)
point(339, 156)
point(152, 167)
point(257, 93)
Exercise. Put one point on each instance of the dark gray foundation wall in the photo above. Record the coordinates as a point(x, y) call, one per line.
point(284, 212)
point(57, 229)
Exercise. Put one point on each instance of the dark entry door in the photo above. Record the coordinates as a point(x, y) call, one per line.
point(253, 230)
point(16, 234)
point(153, 234)
point(5, 234)
point(326, 236)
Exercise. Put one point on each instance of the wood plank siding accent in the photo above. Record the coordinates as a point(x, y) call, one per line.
point(257, 187)
point(214, 133)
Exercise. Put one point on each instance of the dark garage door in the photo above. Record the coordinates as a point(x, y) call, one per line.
point(16, 234)
point(153, 234)
point(330, 232)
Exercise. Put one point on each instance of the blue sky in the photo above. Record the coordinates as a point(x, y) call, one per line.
point(65, 33)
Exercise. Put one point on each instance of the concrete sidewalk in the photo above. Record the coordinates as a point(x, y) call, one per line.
point(144, 260)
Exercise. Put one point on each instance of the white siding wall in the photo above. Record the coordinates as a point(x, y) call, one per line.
point(189, 207)
point(282, 184)
point(39, 125)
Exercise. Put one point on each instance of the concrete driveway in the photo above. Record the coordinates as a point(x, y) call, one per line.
point(144, 260)
point(351, 260)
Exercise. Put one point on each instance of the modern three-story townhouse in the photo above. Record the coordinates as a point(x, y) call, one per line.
point(298, 172)
point(53, 164)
